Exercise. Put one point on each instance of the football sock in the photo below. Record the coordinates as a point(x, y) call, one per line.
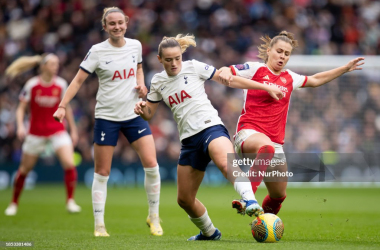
point(204, 224)
point(18, 186)
point(99, 196)
point(244, 189)
point(70, 181)
point(262, 161)
point(152, 185)
point(272, 205)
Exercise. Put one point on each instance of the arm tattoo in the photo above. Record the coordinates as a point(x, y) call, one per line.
point(149, 111)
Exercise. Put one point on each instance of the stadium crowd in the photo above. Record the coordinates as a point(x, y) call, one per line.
point(342, 116)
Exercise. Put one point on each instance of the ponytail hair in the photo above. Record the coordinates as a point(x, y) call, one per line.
point(26, 63)
point(268, 43)
point(181, 41)
point(22, 65)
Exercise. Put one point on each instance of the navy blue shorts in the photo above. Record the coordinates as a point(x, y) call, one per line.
point(107, 132)
point(194, 150)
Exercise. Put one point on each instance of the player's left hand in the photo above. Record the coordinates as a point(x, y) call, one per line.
point(354, 64)
point(142, 90)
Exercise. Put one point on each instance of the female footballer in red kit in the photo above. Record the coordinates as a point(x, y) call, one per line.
point(261, 125)
point(42, 95)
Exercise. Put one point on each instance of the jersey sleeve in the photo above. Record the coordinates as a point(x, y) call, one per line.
point(25, 93)
point(204, 71)
point(90, 62)
point(154, 94)
point(246, 70)
point(299, 81)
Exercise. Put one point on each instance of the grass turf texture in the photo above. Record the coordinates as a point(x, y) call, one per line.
point(326, 218)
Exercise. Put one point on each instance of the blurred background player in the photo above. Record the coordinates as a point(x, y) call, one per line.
point(42, 95)
point(202, 132)
point(118, 65)
point(261, 125)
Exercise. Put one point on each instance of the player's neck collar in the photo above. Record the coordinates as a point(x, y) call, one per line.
point(117, 47)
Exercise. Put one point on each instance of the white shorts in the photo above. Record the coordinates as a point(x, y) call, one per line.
point(245, 133)
point(35, 145)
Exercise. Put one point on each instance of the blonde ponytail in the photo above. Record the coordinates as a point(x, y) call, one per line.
point(22, 65)
point(181, 41)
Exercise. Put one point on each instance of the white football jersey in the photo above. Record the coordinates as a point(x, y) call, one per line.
point(185, 95)
point(116, 69)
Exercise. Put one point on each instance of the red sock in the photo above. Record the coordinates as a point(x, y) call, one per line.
point(264, 155)
point(70, 181)
point(18, 185)
point(272, 205)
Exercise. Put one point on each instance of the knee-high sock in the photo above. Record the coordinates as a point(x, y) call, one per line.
point(204, 224)
point(152, 185)
point(71, 176)
point(99, 196)
point(262, 161)
point(272, 205)
point(244, 189)
point(18, 185)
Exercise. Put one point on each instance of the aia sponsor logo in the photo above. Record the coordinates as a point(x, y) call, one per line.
point(177, 99)
point(123, 74)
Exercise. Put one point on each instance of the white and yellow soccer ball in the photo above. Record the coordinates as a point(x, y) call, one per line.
point(267, 228)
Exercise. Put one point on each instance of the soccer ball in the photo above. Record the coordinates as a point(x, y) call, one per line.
point(267, 228)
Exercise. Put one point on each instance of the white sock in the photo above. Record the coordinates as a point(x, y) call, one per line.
point(99, 196)
point(204, 224)
point(152, 185)
point(244, 189)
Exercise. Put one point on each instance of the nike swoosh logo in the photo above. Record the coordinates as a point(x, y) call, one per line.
point(140, 131)
point(108, 62)
point(208, 138)
point(163, 88)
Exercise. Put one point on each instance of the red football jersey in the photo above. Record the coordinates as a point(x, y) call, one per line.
point(44, 101)
point(261, 112)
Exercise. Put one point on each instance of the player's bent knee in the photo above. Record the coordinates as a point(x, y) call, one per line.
point(103, 172)
point(25, 169)
point(184, 203)
point(267, 149)
point(149, 164)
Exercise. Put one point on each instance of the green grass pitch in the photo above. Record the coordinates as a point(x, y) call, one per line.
point(325, 218)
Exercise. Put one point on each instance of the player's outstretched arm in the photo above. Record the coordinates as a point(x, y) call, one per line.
point(326, 76)
point(20, 113)
point(146, 109)
point(71, 91)
point(225, 77)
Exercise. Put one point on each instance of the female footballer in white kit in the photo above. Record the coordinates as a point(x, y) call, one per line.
point(202, 133)
point(118, 65)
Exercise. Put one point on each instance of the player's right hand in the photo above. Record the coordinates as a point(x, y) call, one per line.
point(225, 76)
point(59, 114)
point(139, 107)
point(275, 92)
point(21, 133)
